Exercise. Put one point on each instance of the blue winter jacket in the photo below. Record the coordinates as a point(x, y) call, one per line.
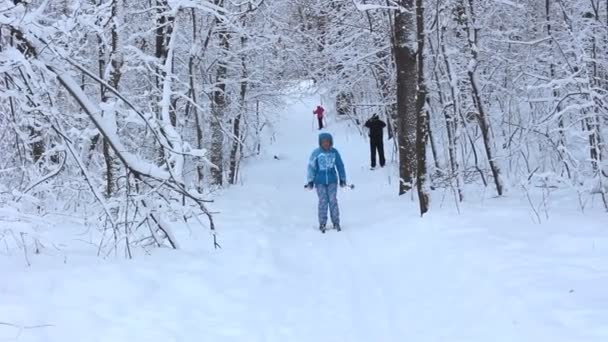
point(323, 164)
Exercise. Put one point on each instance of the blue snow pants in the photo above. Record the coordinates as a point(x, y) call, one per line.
point(328, 200)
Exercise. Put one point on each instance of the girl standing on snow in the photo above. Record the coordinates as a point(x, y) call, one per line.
point(322, 166)
point(319, 113)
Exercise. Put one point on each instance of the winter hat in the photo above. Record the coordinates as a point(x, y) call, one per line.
point(326, 136)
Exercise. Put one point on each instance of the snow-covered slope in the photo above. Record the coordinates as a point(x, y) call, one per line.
point(487, 274)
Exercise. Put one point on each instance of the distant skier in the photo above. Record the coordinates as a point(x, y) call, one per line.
point(319, 112)
point(376, 142)
point(322, 166)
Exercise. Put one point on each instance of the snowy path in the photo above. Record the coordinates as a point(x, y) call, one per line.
point(486, 275)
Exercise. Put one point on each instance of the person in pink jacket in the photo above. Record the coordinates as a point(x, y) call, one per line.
point(319, 113)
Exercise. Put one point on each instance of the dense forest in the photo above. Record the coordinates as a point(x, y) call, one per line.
point(133, 112)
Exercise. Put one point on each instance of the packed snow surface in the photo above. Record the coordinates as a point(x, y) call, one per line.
point(489, 273)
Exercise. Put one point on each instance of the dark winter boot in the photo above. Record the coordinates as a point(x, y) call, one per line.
point(337, 227)
point(322, 228)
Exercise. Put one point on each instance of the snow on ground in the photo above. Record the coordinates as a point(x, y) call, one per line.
point(489, 273)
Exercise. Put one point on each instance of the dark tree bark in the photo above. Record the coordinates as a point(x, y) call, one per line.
point(404, 45)
point(482, 116)
point(219, 104)
point(35, 139)
point(422, 124)
point(560, 121)
point(193, 96)
point(235, 152)
point(164, 31)
point(597, 146)
point(593, 121)
point(448, 109)
point(163, 34)
point(113, 78)
point(432, 139)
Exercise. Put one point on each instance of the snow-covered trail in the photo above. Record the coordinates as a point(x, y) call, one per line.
point(391, 276)
point(488, 274)
point(336, 294)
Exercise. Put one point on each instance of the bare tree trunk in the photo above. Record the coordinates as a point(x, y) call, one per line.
point(258, 128)
point(422, 124)
point(193, 96)
point(482, 117)
point(163, 36)
point(432, 140)
point(451, 116)
point(219, 105)
point(405, 60)
point(560, 121)
point(112, 75)
point(235, 153)
point(597, 147)
point(593, 122)
point(164, 30)
point(35, 139)
point(448, 121)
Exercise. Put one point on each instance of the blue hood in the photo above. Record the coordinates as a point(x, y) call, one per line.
point(323, 164)
point(326, 136)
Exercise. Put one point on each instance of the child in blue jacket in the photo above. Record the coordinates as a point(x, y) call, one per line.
point(322, 174)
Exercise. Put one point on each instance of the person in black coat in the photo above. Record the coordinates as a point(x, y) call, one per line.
point(376, 142)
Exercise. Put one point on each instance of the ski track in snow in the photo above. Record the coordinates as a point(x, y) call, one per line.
point(489, 274)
